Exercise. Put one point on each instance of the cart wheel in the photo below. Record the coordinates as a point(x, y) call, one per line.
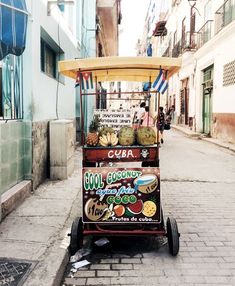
point(89, 164)
point(149, 164)
point(76, 236)
point(173, 236)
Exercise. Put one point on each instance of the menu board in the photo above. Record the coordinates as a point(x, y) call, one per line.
point(121, 195)
point(114, 118)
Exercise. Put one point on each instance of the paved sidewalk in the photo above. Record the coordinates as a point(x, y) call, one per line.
point(197, 135)
point(36, 230)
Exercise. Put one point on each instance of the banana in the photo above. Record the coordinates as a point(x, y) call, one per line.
point(102, 141)
point(108, 137)
point(104, 137)
point(108, 212)
point(113, 135)
point(113, 139)
point(115, 142)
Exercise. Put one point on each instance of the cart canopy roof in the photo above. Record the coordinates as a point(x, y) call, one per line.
point(141, 69)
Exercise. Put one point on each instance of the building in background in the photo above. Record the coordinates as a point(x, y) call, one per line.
point(203, 34)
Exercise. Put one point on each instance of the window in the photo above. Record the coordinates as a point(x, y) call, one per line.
point(51, 53)
point(48, 59)
point(183, 31)
point(208, 15)
point(229, 74)
point(11, 94)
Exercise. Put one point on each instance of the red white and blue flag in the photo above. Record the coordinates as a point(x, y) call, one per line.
point(85, 79)
point(160, 84)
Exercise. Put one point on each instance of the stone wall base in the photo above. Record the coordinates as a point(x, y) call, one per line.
point(13, 197)
point(223, 126)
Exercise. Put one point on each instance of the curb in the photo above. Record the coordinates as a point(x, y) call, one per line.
point(199, 136)
point(51, 268)
point(189, 133)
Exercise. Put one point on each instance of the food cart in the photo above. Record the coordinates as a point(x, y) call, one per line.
point(118, 199)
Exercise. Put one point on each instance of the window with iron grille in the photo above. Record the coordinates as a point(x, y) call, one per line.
point(48, 59)
point(51, 53)
point(11, 88)
point(229, 74)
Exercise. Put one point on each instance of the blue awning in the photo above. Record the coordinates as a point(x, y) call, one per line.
point(13, 25)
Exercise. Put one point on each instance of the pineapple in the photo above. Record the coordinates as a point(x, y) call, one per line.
point(92, 138)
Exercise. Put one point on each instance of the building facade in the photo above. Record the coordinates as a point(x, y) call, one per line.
point(203, 34)
point(33, 93)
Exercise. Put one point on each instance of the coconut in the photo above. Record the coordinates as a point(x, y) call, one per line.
point(126, 136)
point(146, 136)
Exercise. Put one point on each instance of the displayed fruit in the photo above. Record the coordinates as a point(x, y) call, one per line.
point(95, 124)
point(135, 208)
point(149, 208)
point(146, 136)
point(92, 139)
point(108, 140)
point(106, 130)
point(126, 136)
point(119, 210)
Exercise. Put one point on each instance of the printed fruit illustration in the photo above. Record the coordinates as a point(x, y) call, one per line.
point(92, 139)
point(135, 208)
point(106, 130)
point(95, 209)
point(119, 210)
point(108, 212)
point(146, 184)
point(149, 208)
point(146, 136)
point(108, 140)
point(126, 136)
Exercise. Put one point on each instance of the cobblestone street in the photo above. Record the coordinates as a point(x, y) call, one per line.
point(197, 188)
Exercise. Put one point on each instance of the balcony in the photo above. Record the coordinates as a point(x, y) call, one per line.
point(166, 53)
point(190, 42)
point(224, 15)
point(205, 33)
point(177, 49)
point(160, 29)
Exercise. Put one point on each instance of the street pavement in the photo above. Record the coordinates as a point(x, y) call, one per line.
point(197, 185)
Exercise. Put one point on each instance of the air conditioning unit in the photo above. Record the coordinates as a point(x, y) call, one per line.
point(208, 85)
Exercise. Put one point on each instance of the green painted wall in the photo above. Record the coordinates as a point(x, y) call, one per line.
point(15, 153)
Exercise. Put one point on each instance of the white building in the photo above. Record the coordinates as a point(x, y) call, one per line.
point(203, 34)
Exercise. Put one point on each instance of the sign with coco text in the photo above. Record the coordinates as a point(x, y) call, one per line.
point(122, 195)
point(114, 118)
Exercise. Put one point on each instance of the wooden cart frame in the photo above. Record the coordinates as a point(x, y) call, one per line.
point(140, 69)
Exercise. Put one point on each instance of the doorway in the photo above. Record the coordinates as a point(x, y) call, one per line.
point(207, 100)
point(184, 102)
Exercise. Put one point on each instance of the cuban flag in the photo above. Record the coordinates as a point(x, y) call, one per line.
point(85, 79)
point(160, 84)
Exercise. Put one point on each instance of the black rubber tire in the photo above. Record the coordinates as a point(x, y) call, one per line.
point(76, 236)
point(149, 164)
point(89, 164)
point(173, 236)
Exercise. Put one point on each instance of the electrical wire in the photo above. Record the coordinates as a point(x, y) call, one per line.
point(58, 74)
